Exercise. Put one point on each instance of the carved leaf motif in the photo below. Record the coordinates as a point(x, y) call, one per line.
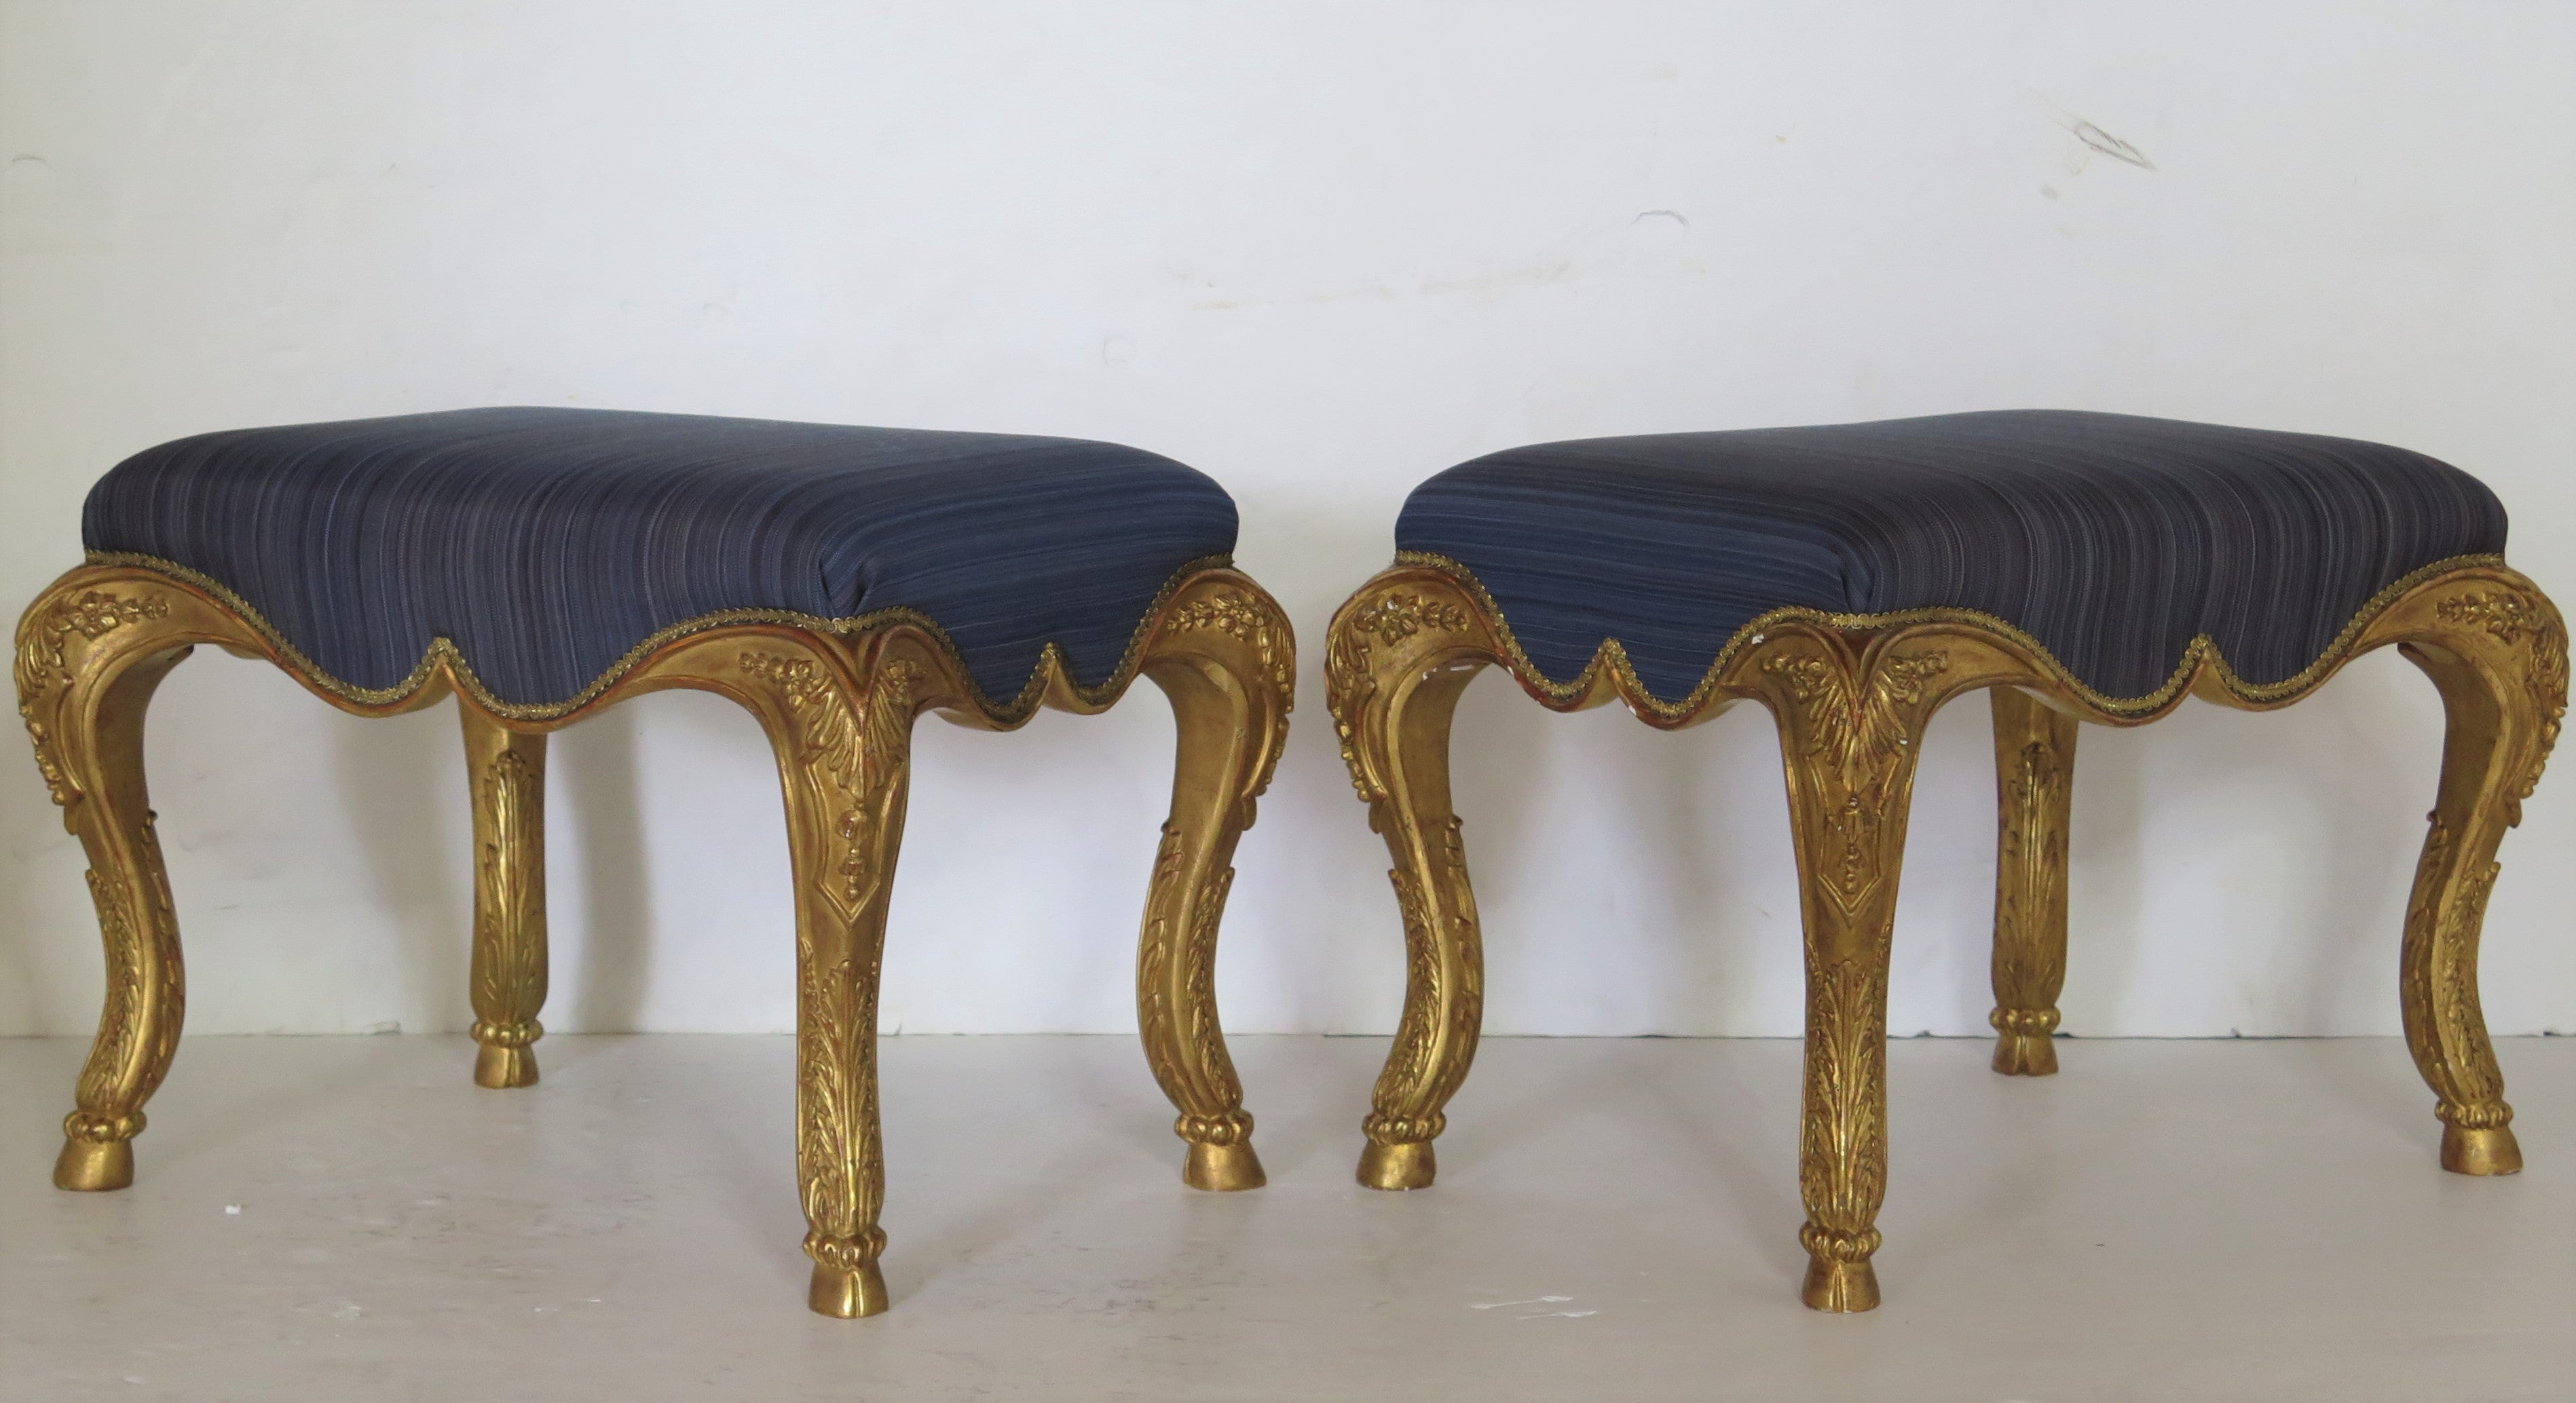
point(1153, 1006)
point(2443, 921)
point(1392, 617)
point(1226, 1123)
point(2510, 616)
point(2462, 1021)
point(851, 760)
point(93, 614)
point(505, 914)
point(827, 1103)
point(146, 989)
point(121, 1020)
point(1842, 1143)
point(850, 764)
point(43, 642)
point(2504, 613)
point(1860, 736)
point(1419, 1027)
point(1439, 1019)
point(1245, 616)
point(2034, 858)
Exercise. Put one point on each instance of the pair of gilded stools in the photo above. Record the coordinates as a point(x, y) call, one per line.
point(542, 564)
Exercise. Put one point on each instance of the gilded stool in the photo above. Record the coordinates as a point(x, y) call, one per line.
point(543, 564)
point(1852, 578)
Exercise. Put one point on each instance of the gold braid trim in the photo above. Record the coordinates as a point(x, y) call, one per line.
point(443, 651)
point(2201, 654)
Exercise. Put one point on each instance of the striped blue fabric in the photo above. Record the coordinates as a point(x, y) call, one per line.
point(546, 543)
point(2113, 540)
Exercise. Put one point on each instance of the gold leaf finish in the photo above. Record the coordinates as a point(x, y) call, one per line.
point(2034, 784)
point(1247, 618)
point(2515, 619)
point(1842, 1133)
point(1397, 659)
point(1851, 695)
point(89, 655)
point(1391, 618)
point(508, 979)
point(837, 698)
point(1228, 663)
point(43, 639)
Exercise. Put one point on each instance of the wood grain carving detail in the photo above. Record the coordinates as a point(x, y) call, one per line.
point(1208, 1093)
point(1245, 616)
point(2512, 617)
point(509, 913)
point(1444, 996)
point(138, 1027)
point(2439, 973)
point(2030, 954)
point(119, 1022)
point(1842, 1139)
point(836, 1096)
point(1856, 738)
point(43, 646)
point(1851, 693)
point(1349, 681)
point(850, 759)
point(837, 697)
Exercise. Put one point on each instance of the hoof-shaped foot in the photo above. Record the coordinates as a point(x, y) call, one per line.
point(2026, 1055)
point(2491, 1150)
point(504, 1067)
point(1841, 1287)
point(1223, 1168)
point(847, 1293)
point(1398, 1166)
point(94, 1166)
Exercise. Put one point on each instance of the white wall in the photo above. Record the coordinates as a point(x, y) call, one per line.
point(1320, 251)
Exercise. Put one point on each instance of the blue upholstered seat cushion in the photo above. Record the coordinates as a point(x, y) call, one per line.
point(2112, 540)
point(547, 543)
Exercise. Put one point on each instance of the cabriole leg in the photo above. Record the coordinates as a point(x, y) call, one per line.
point(1849, 731)
point(1397, 661)
point(507, 771)
point(86, 671)
point(2034, 784)
point(1226, 659)
point(2499, 658)
point(138, 1030)
point(844, 758)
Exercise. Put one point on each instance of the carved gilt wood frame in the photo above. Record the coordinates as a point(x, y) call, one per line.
point(1851, 695)
point(837, 699)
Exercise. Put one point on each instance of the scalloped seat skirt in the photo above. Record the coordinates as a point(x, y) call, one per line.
point(1853, 578)
point(546, 544)
point(541, 564)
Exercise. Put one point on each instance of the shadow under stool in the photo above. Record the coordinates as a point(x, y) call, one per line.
point(1852, 579)
point(543, 564)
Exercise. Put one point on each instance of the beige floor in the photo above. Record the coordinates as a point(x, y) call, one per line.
point(2214, 1220)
